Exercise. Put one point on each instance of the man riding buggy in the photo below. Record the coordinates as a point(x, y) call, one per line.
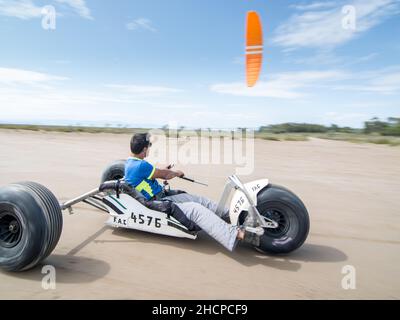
point(195, 212)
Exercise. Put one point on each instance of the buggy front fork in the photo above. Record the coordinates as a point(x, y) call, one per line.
point(255, 217)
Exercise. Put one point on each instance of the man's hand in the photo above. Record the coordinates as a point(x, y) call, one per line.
point(180, 174)
point(169, 167)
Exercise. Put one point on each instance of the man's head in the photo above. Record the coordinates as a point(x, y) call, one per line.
point(140, 144)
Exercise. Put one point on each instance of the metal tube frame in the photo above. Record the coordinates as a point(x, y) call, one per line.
point(68, 204)
point(233, 183)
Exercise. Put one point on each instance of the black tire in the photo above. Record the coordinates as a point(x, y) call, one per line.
point(114, 171)
point(30, 225)
point(284, 207)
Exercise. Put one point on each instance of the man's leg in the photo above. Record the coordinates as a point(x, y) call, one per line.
point(226, 234)
point(211, 205)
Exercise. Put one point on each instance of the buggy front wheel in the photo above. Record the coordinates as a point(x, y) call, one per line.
point(284, 207)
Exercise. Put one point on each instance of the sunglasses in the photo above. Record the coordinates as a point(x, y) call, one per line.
point(148, 140)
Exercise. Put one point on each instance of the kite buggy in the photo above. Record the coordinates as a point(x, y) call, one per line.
point(31, 216)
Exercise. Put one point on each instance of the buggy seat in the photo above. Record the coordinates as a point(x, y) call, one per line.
point(166, 206)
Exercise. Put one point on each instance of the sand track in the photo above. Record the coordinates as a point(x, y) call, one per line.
point(350, 190)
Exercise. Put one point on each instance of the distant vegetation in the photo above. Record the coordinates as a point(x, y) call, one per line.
point(391, 127)
point(69, 129)
point(305, 128)
point(374, 131)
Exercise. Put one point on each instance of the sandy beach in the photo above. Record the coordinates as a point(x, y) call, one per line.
point(350, 190)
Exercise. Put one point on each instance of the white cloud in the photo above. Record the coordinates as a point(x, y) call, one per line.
point(323, 28)
point(141, 23)
point(365, 58)
point(322, 57)
point(326, 57)
point(143, 90)
point(79, 6)
point(284, 85)
point(27, 9)
point(385, 81)
point(63, 105)
point(10, 76)
point(294, 85)
point(314, 6)
point(22, 9)
point(26, 92)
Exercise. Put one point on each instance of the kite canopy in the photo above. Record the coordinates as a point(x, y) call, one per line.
point(254, 48)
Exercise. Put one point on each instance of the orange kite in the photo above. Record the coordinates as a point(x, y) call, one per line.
point(254, 48)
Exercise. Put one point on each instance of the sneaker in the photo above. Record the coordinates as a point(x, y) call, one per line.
point(252, 235)
point(259, 231)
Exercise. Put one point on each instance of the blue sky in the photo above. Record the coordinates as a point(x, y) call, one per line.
point(154, 62)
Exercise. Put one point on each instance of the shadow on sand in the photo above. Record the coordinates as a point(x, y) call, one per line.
point(69, 269)
point(72, 268)
point(244, 254)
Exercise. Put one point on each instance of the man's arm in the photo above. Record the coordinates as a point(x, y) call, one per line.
point(166, 174)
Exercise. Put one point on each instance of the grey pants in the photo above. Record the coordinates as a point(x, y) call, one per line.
point(203, 212)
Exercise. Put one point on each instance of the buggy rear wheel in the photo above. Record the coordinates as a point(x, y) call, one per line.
point(30, 225)
point(114, 171)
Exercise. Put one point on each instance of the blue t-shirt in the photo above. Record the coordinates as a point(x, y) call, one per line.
point(139, 173)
